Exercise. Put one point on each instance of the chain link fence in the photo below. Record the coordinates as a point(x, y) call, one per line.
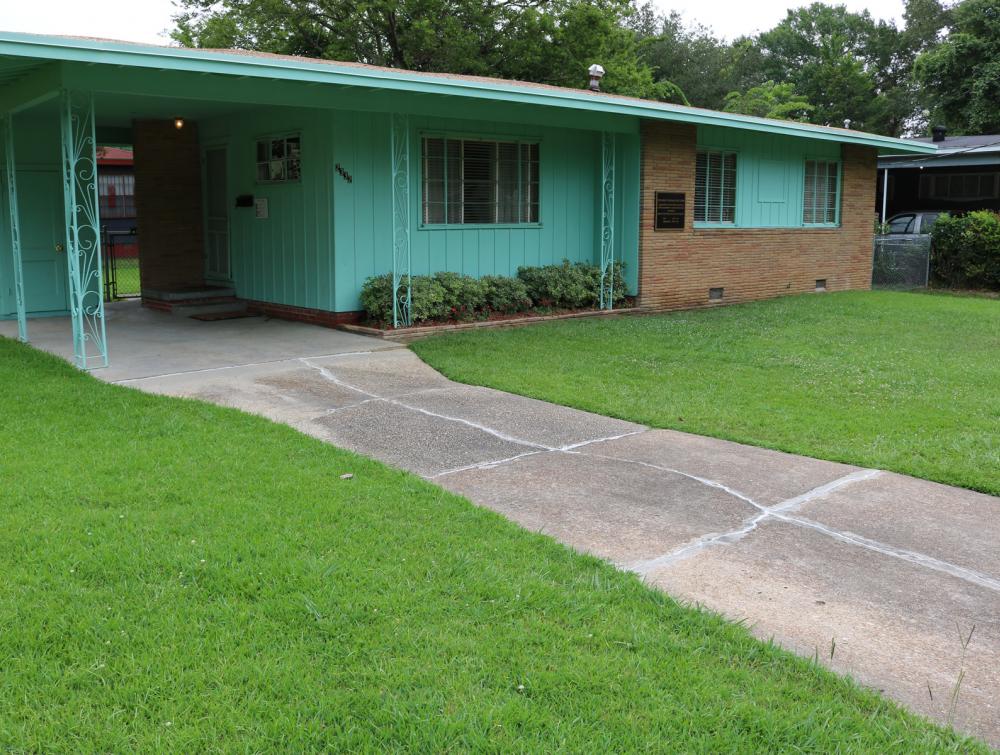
point(901, 262)
point(121, 264)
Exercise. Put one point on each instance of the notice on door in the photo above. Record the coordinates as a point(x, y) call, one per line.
point(669, 211)
point(260, 208)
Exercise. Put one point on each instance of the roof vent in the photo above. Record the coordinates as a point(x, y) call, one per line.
point(596, 74)
point(939, 133)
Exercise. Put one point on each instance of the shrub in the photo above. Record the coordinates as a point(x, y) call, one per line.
point(376, 298)
point(566, 285)
point(570, 285)
point(506, 295)
point(966, 250)
point(445, 296)
point(463, 295)
point(427, 298)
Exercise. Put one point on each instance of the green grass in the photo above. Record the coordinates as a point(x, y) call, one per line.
point(126, 275)
point(900, 381)
point(175, 576)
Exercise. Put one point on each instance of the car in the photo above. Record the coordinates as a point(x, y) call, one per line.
point(917, 223)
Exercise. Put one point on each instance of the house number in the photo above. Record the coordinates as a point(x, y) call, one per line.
point(346, 176)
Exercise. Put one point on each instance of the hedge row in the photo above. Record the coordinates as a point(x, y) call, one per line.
point(450, 296)
point(966, 250)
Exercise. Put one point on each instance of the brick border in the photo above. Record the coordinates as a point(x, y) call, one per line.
point(303, 314)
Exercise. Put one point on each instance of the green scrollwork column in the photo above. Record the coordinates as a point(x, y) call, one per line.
point(607, 219)
point(401, 281)
point(83, 229)
point(10, 188)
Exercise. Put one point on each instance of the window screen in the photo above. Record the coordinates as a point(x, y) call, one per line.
point(715, 187)
point(961, 186)
point(279, 159)
point(479, 182)
point(821, 192)
point(116, 194)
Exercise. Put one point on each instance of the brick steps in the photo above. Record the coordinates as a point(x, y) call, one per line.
point(218, 307)
point(215, 301)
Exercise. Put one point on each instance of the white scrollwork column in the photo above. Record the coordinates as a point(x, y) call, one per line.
point(83, 229)
point(10, 186)
point(607, 219)
point(401, 281)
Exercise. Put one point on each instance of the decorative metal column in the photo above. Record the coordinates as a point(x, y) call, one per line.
point(401, 281)
point(607, 219)
point(10, 186)
point(83, 229)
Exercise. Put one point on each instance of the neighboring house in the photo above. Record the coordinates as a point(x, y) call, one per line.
point(962, 175)
point(116, 192)
point(289, 181)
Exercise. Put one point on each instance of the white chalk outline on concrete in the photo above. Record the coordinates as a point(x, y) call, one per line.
point(779, 512)
point(643, 568)
point(562, 449)
point(328, 375)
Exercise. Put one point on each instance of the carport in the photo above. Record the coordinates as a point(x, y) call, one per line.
point(52, 119)
point(149, 342)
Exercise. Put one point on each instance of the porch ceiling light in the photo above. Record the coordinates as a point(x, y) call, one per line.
point(178, 123)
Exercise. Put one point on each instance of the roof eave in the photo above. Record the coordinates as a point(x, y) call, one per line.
point(114, 53)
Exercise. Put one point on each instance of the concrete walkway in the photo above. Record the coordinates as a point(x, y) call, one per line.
point(878, 575)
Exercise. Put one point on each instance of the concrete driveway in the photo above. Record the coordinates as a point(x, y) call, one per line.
point(891, 579)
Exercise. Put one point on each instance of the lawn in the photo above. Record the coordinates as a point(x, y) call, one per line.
point(175, 576)
point(126, 276)
point(901, 381)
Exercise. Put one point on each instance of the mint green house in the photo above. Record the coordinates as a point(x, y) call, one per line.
point(287, 182)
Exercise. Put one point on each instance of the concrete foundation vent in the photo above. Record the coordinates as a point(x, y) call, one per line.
point(821, 284)
point(715, 294)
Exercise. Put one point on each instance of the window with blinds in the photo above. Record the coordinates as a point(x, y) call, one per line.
point(821, 192)
point(715, 187)
point(472, 182)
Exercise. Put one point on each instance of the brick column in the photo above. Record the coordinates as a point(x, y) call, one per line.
point(168, 205)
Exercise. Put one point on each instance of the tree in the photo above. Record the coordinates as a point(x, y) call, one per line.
point(546, 41)
point(961, 75)
point(770, 100)
point(853, 69)
point(821, 49)
point(691, 57)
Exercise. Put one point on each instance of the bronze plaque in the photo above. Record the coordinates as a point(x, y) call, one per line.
point(669, 211)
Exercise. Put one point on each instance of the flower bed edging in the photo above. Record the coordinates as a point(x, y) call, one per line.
point(422, 331)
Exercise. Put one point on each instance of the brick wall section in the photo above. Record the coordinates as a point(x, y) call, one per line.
point(303, 314)
point(168, 205)
point(677, 268)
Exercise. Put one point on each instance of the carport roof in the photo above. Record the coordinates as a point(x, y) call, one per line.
point(21, 53)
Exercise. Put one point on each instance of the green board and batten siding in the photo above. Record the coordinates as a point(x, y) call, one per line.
point(770, 170)
point(289, 257)
point(40, 209)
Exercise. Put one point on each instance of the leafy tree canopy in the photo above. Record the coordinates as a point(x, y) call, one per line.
point(546, 41)
point(705, 67)
point(770, 100)
point(823, 63)
point(961, 75)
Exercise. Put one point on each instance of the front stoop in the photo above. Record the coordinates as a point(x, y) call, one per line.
point(193, 301)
